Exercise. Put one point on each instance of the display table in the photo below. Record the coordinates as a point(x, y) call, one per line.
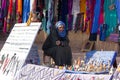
point(35, 72)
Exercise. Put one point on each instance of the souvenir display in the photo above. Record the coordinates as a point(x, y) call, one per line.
point(93, 62)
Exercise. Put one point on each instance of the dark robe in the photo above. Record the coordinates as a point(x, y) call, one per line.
point(61, 54)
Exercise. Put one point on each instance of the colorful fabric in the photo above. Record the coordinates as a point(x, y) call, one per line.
point(50, 15)
point(103, 29)
point(96, 17)
point(110, 15)
point(76, 6)
point(117, 4)
point(31, 4)
point(19, 6)
point(26, 10)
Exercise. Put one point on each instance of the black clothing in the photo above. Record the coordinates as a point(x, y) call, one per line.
point(61, 54)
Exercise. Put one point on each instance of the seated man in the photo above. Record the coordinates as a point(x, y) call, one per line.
point(57, 45)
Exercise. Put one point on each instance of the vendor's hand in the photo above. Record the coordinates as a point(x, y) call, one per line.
point(58, 42)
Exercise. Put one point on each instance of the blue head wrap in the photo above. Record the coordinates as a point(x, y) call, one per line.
point(63, 33)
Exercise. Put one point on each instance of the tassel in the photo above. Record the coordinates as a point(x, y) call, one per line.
point(29, 19)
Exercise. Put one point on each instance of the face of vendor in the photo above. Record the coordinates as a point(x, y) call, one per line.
point(61, 28)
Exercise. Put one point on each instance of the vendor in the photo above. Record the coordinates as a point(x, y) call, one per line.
point(57, 45)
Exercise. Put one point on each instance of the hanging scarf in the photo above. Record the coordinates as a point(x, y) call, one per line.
point(83, 7)
point(31, 4)
point(103, 29)
point(93, 35)
point(19, 4)
point(3, 9)
point(96, 16)
point(110, 15)
point(117, 4)
point(19, 11)
point(70, 16)
point(26, 10)
point(90, 4)
point(50, 15)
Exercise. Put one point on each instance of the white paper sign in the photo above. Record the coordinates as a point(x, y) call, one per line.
point(16, 49)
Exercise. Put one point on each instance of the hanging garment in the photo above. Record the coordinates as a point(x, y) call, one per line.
point(96, 16)
point(19, 6)
point(101, 17)
point(50, 16)
point(70, 16)
point(9, 16)
point(64, 11)
point(55, 10)
point(79, 22)
point(3, 9)
point(70, 4)
point(83, 9)
point(76, 7)
point(103, 29)
point(95, 21)
point(26, 10)
point(70, 20)
point(3, 14)
point(19, 11)
point(110, 15)
point(90, 4)
point(117, 4)
point(31, 4)
point(45, 14)
point(75, 11)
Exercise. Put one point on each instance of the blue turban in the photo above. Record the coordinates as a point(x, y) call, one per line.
point(59, 23)
point(63, 33)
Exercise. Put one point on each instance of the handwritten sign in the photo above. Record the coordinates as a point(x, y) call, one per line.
point(16, 49)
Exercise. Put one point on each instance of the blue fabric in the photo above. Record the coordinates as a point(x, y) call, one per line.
point(96, 17)
point(103, 29)
point(117, 4)
point(63, 33)
point(26, 10)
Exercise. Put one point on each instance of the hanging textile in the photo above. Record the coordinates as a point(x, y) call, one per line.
point(45, 14)
point(39, 9)
point(9, 16)
point(26, 10)
point(90, 4)
point(117, 4)
point(110, 15)
point(19, 11)
point(3, 13)
point(3, 9)
point(31, 5)
point(70, 16)
point(101, 17)
point(55, 11)
point(75, 11)
point(79, 23)
point(64, 10)
point(83, 9)
point(93, 35)
point(50, 15)
point(103, 29)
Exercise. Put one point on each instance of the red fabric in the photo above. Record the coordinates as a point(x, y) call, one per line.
point(101, 17)
point(10, 7)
